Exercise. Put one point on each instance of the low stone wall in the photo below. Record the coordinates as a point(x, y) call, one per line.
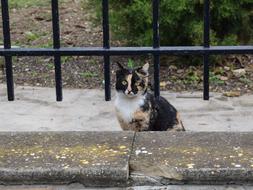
point(126, 158)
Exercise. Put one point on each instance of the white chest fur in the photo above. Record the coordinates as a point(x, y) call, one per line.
point(126, 107)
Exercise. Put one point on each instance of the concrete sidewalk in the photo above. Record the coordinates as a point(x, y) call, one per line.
point(170, 187)
point(126, 159)
point(35, 109)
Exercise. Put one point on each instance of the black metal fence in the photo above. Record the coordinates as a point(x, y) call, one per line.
point(106, 51)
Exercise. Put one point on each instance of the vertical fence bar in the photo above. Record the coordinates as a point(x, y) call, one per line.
point(206, 45)
point(156, 44)
point(7, 45)
point(106, 45)
point(56, 41)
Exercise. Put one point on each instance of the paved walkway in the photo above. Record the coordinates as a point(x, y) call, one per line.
point(35, 109)
point(122, 159)
point(171, 187)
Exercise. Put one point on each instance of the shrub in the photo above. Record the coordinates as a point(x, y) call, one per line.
point(181, 21)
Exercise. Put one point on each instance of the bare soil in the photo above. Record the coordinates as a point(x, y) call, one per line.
point(32, 27)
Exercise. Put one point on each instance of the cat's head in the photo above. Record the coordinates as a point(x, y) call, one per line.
point(132, 82)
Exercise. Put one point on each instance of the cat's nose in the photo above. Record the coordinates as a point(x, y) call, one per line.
point(128, 92)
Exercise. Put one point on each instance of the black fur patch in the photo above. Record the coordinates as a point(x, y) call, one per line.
point(121, 76)
point(163, 114)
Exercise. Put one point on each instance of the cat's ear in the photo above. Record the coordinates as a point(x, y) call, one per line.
point(120, 66)
point(144, 69)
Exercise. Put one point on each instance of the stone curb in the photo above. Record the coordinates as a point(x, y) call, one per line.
point(90, 158)
point(162, 158)
point(113, 159)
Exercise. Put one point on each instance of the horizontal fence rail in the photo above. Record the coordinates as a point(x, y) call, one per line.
point(114, 51)
point(106, 51)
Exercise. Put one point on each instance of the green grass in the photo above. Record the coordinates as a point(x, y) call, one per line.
point(34, 73)
point(192, 77)
point(245, 80)
point(50, 66)
point(214, 79)
point(88, 74)
point(130, 64)
point(28, 3)
point(49, 44)
point(30, 36)
point(65, 59)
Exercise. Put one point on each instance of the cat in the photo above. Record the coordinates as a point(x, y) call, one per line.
point(137, 109)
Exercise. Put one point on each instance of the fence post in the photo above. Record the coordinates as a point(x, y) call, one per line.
point(106, 45)
point(156, 45)
point(7, 45)
point(57, 58)
point(206, 45)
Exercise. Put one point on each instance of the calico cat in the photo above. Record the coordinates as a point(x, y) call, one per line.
point(138, 110)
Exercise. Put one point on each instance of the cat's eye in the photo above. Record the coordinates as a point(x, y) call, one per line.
point(138, 83)
point(124, 82)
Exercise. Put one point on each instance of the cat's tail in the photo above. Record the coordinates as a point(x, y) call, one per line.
point(179, 124)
